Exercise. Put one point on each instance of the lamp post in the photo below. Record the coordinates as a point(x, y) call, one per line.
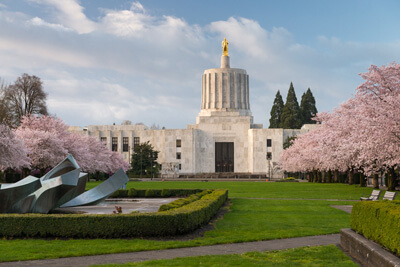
point(141, 163)
point(129, 154)
point(151, 160)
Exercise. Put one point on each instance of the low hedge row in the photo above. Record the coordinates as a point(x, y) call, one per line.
point(173, 222)
point(378, 221)
point(121, 193)
point(183, 201)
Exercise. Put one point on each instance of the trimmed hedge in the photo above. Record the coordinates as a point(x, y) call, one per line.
point(124, 193)
point(168, 223)
point(184, 201)
point(378, 221)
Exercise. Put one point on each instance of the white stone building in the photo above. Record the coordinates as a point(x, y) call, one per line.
point(223, 140)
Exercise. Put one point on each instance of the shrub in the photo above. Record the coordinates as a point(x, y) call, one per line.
point(378, 221)
point(184, 201)
point(153, 193)
point(172, 222)
point(120, 193)
point(123, 193)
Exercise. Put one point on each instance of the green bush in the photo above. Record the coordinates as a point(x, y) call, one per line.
point(120, 193)
point(173, 222)
point(184, 201)
point(123, 193)
point(289, 179)
point(153, 193)
point(378, 221)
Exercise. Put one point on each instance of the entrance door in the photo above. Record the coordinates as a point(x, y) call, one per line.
point(224, 157)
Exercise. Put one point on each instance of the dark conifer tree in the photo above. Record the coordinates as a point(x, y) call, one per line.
point(307, 107)
point(276, 111)
point(291, 115)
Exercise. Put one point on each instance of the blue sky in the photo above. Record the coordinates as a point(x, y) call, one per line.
point(103, 62)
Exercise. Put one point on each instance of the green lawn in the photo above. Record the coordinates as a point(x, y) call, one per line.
point(264, 189)
point(248, 220)
point(323, 256)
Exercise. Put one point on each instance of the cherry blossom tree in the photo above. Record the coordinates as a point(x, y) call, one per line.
point(13, 153)
point(49, 141)
point(363, 134)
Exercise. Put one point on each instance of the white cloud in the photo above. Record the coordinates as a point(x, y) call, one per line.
point(138, 7)
point(70, 14)
point(39, 22)
point(126, 22)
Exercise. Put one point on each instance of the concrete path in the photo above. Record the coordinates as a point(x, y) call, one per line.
point(236, 248)
point(274, 198)
point(346, 208)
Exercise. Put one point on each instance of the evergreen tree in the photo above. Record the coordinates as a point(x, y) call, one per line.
point(289, 141)
point(307, 107)
point(291, 115)
point(276, 111)
point(144, 160)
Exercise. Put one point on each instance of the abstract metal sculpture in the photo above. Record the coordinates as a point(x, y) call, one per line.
point(100, 192)
point(64, 184)
point(12, 193)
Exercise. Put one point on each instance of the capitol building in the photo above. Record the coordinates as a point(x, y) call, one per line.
point(224, 142)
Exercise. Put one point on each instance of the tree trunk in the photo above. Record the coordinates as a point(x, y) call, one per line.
point(315, 177)
point(391, 180)
point(310, 176)
point(362, 180)
point(329, 177)
point(319, 177)
point(336, 177)
point(375, 182)
point(351, 177)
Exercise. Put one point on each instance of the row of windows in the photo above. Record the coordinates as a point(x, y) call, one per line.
point(136, 141)
point(125, 143)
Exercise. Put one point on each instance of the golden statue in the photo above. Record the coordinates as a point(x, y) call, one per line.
point(225, 47)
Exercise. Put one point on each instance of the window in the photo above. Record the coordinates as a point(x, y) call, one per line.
point(269, 143)
point(114, 146)
point(125, 144)
point(178, 155)
point(103, 140)
point(178, 142)
point(136, 141)
point(269, 155)
point(180, 166)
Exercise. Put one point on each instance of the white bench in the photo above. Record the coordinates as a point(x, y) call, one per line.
point(389, 195)
point(374, 196)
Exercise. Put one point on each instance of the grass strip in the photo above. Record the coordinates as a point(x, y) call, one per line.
point(323, 256)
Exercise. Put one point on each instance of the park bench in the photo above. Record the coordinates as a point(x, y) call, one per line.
point(374, 195)
point(389, 195)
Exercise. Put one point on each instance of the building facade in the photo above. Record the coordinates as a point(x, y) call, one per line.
point(223, 140)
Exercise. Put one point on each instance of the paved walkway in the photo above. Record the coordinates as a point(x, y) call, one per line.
point(346, 208)
point(236, 248)
point(274, 198)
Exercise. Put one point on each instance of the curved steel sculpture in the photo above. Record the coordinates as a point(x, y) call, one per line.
point(63, 186)
point(12, 193)
point(100, 192)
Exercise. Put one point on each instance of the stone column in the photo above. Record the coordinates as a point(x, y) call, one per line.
point(225, 62)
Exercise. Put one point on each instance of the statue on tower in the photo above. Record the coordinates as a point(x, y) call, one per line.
point(225, 47)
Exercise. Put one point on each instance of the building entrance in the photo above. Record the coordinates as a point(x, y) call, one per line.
point(224, 157)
